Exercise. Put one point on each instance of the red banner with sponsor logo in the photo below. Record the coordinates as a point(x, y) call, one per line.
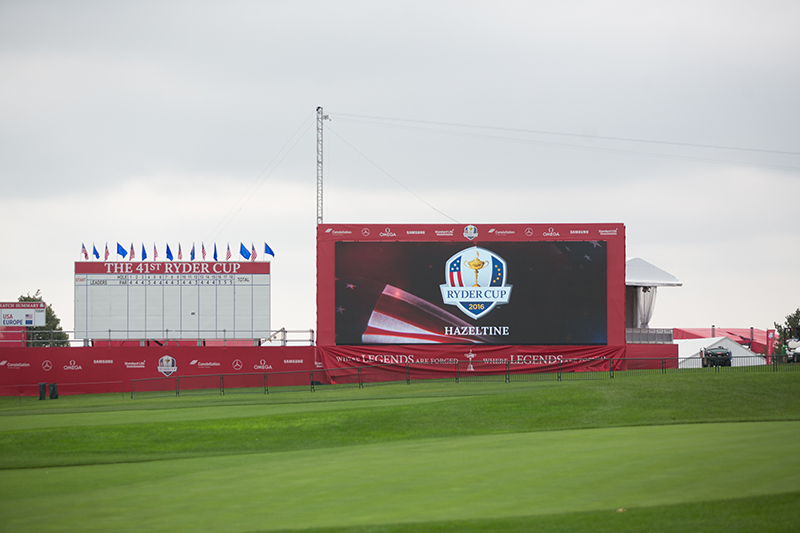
point(107, 369)
point(421, 361)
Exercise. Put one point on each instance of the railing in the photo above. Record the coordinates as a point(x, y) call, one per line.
point(648, 336)
point(167, 337)
point(387, 374)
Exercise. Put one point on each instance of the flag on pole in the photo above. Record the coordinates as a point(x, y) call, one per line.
point(121, 250)
point(203, 250)
point(180, 253)
point(191, 256)
point(155, 252)
point(243, 251)
point(106, 259)
point(94, 252)
point(268, 250)
point(144, 254)
point(84, 252)
point(215, 251)
point(253, 253)
point(133, 254)
point(169, 253)
point(228, 253)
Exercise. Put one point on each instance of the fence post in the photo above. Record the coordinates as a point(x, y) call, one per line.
point(177, 387)
point(408, 375)
point(559, 371)
point(311, 379)
point(663, 366)
point(508, 373)
point(221, 385)
point(360, 379)
point(456, 371)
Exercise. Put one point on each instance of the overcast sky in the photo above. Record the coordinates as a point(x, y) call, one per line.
point(190, 122)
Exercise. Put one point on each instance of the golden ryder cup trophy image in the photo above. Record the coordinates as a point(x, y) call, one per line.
point(476, 264)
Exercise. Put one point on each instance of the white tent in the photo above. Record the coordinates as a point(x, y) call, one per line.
point(641, 281)
point(689, 352)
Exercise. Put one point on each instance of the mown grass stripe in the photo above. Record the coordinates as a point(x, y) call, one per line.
point(423, 480)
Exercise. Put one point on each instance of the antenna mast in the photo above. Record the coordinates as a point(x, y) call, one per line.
point(320, 118)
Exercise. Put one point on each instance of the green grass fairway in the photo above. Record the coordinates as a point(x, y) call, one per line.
point(699, 452)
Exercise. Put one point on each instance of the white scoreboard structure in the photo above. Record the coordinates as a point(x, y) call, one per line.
point(175, 300)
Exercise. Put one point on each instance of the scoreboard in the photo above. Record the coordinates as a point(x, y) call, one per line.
point(189, 300)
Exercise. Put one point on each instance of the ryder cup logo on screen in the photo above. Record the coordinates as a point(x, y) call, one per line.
point(167, 365)
point(475, 281)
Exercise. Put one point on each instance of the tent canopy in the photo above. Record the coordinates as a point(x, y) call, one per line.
point(640, 273)
point(740, 335)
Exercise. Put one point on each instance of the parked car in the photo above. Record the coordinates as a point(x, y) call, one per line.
point(793, 351)
point(716, 356)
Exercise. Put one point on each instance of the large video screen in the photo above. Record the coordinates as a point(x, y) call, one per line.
point(483, 284)
point(478, 292)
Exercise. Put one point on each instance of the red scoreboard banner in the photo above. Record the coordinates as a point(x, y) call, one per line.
point(493, 284)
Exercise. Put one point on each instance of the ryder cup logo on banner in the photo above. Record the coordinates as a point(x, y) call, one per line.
point(476, 281)
point(167, 365)
point(470, 232)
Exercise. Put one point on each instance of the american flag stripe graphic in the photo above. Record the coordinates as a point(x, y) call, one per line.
point(455, 273)
point(401, 317)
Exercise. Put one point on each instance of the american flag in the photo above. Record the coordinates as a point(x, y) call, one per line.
point(155, 252)
point(84, 252)
point(180, 253)
point(106, 258)
point(203, 250)
point(253, 253)
point(133, 254)
point(228, 253)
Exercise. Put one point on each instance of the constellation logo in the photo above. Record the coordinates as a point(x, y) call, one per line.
point(203, 364)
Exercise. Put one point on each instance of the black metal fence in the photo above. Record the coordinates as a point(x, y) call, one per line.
point(459, 371)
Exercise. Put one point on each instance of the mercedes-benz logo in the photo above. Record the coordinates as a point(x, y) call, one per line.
point(528, 231)
point(365, 232)
point(237, 364)
point(47, 365)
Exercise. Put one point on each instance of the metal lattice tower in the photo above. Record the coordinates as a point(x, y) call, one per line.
point(320, 118)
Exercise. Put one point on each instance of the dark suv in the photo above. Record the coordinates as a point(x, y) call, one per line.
point(716, 356)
